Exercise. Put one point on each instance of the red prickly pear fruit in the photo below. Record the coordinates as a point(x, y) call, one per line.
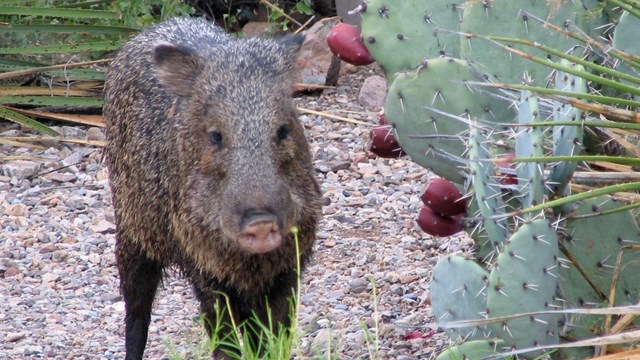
point(384, 143)
point(438, 225)
point(382, 120)
point(444, 198)
point(506, 169)
point(345, 41)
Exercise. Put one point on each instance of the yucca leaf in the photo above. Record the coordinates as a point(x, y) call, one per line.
point(67, 71)
point(582, 158)
point(602, 124)
point(66, 29)
point(26, 121)
point(52, 101)
point(577, 95)
point(44, 91)
point(64, 49)
point(58, 12)
point(82, 4)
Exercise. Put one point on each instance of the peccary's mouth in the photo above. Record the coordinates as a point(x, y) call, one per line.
point(260, 237)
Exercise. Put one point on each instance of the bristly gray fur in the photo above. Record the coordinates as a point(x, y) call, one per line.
point(178, 195)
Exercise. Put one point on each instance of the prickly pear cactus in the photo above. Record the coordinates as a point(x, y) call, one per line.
point(431, 139)
point(508, 18)
point(567, 139)
point(524, 279)
point(593, 244)
point(488, 193)
point(625, 39)
point(458, 290)
point(400, 34)
point(594, 241)
point(472, 350)
point(529, 143)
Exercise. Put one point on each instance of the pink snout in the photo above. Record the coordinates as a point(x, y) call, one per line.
point(260, 235)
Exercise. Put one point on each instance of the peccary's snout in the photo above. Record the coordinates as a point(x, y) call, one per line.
point(260, 232)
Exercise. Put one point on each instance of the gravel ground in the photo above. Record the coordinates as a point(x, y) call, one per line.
point(58, 280)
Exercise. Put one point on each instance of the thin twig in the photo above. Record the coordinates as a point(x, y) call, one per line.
point(12, 74)
point(278, 10)
point(334, 117)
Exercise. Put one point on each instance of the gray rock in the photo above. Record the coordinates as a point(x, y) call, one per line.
point(20, 169)
point(373, 92)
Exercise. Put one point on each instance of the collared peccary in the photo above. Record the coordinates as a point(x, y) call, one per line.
point(209, 170)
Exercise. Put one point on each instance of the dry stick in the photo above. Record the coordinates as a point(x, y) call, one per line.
point(14, 143)
point(604, 177)
point(625, 321)
point(334, 117)
point(22, 139)
point(303, 86)
point(12, 74)
point(605, 49)
point(619, 137)
point(602, 350)
point(622, 195)
point(277, 9)
point(304, 26)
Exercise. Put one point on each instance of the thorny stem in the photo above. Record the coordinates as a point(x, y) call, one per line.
point(583, 74)
point(612, 293)
point(579, 95)
point(561, 54)
point(632, 186)
point(627, 7)
point(612, 159)
point(602, 124)
point(605, 49)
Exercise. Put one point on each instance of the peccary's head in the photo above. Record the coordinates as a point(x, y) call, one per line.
point(246, 175)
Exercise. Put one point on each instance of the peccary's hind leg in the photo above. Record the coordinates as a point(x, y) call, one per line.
point(139, 279)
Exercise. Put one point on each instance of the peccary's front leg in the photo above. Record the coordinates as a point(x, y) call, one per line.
point(139, 279)
point(273, 305)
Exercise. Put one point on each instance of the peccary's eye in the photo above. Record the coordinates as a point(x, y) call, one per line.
point(283, 132)
point(215, 137)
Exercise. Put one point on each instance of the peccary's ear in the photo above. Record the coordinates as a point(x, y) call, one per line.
point(177, 67)
point(292, 43)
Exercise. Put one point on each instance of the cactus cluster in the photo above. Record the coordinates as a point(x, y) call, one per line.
point(450, 110)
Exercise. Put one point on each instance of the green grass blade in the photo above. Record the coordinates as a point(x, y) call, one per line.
point(66, 29)
point(15, 62)
point(26, 121)
point(84, 4)
point(57, 12)
point(64, 49)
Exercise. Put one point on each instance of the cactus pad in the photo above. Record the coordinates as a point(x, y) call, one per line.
point(525, 280)
point(567, 140)
point(472, 350)
point(529, 143)
point(506, 18)
point(458, 292)
point(431, 139)
point(400, 34)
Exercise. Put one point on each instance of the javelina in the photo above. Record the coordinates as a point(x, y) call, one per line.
point(209, 170)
